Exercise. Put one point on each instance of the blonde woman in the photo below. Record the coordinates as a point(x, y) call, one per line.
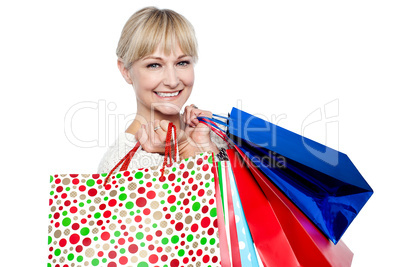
point(156, 54)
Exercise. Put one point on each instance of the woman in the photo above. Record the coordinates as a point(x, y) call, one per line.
point(156, 53)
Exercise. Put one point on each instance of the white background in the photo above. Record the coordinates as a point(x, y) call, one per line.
point(283, 59)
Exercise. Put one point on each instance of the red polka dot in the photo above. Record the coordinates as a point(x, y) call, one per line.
point(199, 161)
point(149, 184)
point(74, 239)
point(76, 181)
point(185, 174)
point(201, 192)
point(102, 206)
point(147, 211)
point(126, 173)
point(112, 264)
point(63, 196)
point(133, 248)
point(149, 237)
point(107, 214)
point(141, 190)
point(179, 226)
point(164, 257)
point(59, 189)
point(79, 248)
point(107, 187)
point(174, 263)
point(211, 231)
point(123, 260)
point(162, 179)
point(216, 223)
point(121, 241)
point(100, 254)
point(73, 175)
point(205, 222)
point(86, 241)
point(205, 209)
point(205, 167)
point(153, 258)
point(211, 201)
point(112, 203)
point(194, 187)
point(95, 176)
point(105, 236)
point(185, 260)
point(177, 189)
point(190, 181)
point(99, 222)
point(56, 215)
point(205, 259)
point(62, 242)
point(75, 226)
point(138, 218)
point(199, 252)
point(92, 192)
point(57, 181)
point(172, 177)
point(194, 227)
point(158, 233)
point(151, 194)
point(171, 199)
point(82, 188)
point(112, 254)
point(214, 259)
point(141, 202)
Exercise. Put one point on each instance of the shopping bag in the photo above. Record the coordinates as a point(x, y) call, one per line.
point(309, 246)
point(246, 245)
point(321, 181)
point(144, 217)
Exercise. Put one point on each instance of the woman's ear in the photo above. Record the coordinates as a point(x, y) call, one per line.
point(124, 71)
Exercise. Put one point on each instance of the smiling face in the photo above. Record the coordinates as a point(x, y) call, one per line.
point(162, 83)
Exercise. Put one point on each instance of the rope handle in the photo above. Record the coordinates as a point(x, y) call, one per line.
point(125, 161)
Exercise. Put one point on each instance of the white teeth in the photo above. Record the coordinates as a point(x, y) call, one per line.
point(167, 94)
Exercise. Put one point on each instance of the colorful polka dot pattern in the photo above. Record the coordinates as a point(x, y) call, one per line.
point(137, 219)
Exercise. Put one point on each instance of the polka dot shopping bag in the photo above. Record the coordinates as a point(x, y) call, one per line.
point(167, 216)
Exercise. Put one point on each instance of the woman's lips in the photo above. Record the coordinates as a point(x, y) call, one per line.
point(168, 95)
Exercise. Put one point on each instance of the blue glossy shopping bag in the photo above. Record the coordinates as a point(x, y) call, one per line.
point(322, 182)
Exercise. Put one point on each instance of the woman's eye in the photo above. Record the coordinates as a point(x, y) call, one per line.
point(183, 63)
point(153, 66)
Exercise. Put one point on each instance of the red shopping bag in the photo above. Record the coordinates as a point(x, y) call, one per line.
point(282, 233)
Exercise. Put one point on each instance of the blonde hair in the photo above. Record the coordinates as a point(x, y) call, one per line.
point(150, 27)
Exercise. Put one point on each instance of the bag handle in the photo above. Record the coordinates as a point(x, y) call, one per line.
point(125, 161)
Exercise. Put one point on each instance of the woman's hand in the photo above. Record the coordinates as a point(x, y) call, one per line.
point(151, 140)
point(198, 134)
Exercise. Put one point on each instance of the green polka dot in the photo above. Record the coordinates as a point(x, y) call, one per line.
point(122, 251)
point(81, 204)
point(178, 203)
point(154, 180)
point(142, 264)
point(66, 221)
point(122, 197)
point(190, 238)
point(131, 213)
point(173, 169)
point(117, 233)
point(129, 205)
point(172, 208)
point(104, 260)
point(80, 258)
point(122, 189)
point(138, 175)
point(212, 241)
point(89, 201)
point(141, 182)
point(207, 185)
point(97, 215)
point(138, 211)
point(203, 241)
point(118, 175)
point(213, 212)
point(142, 244)
point(49, 240)
point(196, 206)
point(70, 257)
point(104, 174)
point(95, 238)
point(84, 231)
point(57, 252)
point(169, 191)
point(162, 201)
point(51, 178)
point(212, 180)
point(90, 182)
point(64, 213)
point(67, 188)
point(193, 198)
point(175, 239)
point(112, 241)
point(165, 240)
point(178, 180)
point(114, 217)
point(49, 265)
point(210, 159)
point(106, 198)
point(154, 225)
point(139, 235)
point(181, 252)
point(95, 262)
point(51, 193)
point(192, 172)
point(165, 186)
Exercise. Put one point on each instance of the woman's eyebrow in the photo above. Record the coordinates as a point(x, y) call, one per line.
point(159, 58)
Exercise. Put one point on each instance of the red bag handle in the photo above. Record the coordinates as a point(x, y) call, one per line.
point(125, 161)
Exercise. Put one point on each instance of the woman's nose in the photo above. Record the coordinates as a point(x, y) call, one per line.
point(171, 78)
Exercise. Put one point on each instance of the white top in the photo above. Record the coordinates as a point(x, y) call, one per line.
point(141, 159)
